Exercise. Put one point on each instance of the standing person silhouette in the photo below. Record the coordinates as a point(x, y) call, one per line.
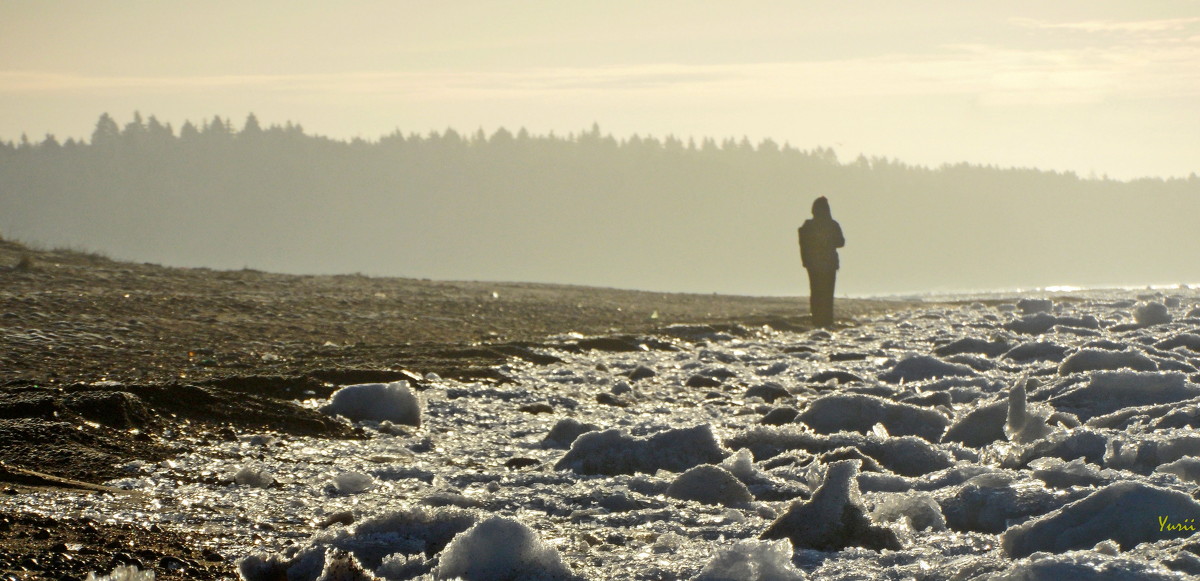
point(820, 237)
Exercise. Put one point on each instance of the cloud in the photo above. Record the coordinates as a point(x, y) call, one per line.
point(993, 75)
point(1129, 26)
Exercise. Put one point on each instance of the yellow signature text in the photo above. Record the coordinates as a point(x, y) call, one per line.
point(1187, 524)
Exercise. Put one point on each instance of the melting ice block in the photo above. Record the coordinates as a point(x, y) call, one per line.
point(1126, 512)
point(922, 367)
point(1025, 425)
point(859, 413)
point(392, 402)
point(1086, 566)
point(615, 452)
point(753, 560)
point(1109, 391)
point(710, 484)
point(980, 426)
point(834, 518)
point(501, 548)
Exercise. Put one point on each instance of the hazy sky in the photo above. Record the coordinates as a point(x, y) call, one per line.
point(1092, 86)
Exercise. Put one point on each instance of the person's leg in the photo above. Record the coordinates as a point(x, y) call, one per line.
point(817, 285)
point(827, 296)
point(820, 299)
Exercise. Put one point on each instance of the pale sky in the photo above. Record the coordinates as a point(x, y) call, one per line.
point(1097, 87)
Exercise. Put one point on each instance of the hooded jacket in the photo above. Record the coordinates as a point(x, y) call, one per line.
point(820, 237)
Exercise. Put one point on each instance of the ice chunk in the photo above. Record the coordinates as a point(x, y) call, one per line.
point(393, 402)
point(1151, 314)
point(1072, 444)
point(1126, 512)
point(1186, 468)
point(353, 482)
point(1143, 454)
point(1190, 341)
point(342, 566)
point(1100, 359)
point(565, 431)
point(262, 568)
point(616, 452)
point(500, 548)
point(904, 455)
point(859, 413)
point(753, 560)
point(1039, 323)
point(980, 426)
point(973, 345)
point(709, 484)
point(1029, 305)
point(1057, 473)
point(834, 518)
point(1109, 391)
point(407, 531)
point(919, 509)
point(741, 465)
point(1085, 566)
point(1036, 351)
point(987, 503)
point(123, 573)
point(253, 475)
point(1025, 425)
point(920, 367)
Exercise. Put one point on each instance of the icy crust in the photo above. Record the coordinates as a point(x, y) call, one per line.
point(975, 441)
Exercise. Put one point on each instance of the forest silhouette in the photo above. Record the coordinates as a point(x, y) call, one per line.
point(665, 214)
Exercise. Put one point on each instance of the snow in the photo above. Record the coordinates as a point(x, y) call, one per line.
point(956, 441)
point(392, 402)
point(753, 560)
point(500, 548)
point(709, 484)
point(1151, 314)
point(353, 482)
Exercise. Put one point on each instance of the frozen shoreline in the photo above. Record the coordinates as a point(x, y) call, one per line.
point(1112, 403)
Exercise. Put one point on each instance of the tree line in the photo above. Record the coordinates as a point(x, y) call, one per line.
point(640, 212)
